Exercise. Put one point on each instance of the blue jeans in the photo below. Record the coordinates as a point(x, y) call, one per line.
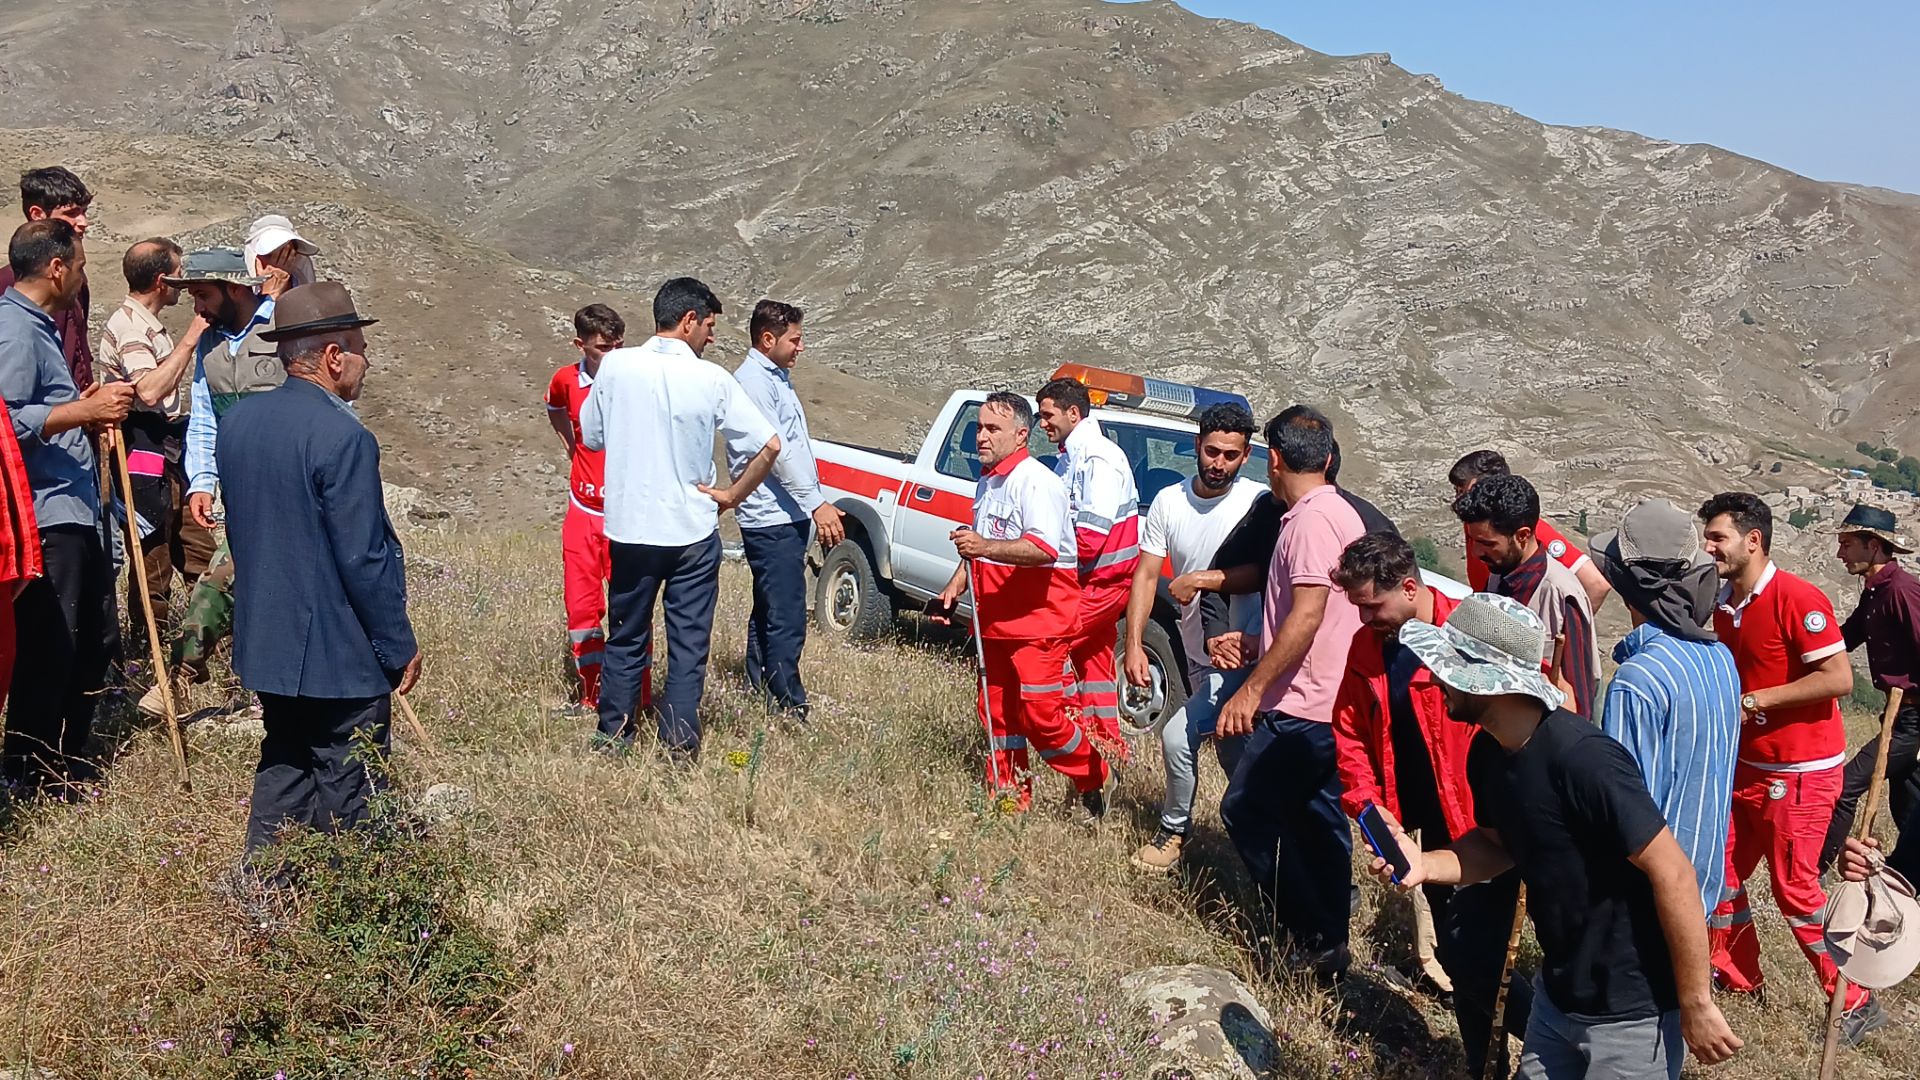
point(1282, 810)
point(777, 628)
point(1180, 739)
point(690, 578)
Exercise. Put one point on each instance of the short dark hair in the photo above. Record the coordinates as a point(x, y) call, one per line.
point(1302, 437)
point(1229, 417)
point(1013, 403)
point(1067, 394)
point(1333, 463)
point(1385, 559)
point(1478, 465)
point(1507, 502)
point(1746, 510)
point(147, 262)
point(599, 319)
point(680, 296)
point(37, 243)
point(50, 189)
point(772, 317)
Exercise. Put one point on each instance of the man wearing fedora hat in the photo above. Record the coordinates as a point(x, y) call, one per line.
point(320, 589)
point(1624, 979)
point(1674, 703)
point(1887, 622)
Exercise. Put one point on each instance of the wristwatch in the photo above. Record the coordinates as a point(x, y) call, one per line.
point(1750, 703)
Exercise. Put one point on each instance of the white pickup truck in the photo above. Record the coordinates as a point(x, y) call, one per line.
point(900, 509)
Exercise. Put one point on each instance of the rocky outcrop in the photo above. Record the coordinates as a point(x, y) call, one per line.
point(1207, 1024)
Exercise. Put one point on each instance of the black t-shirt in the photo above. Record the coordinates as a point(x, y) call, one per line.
point(1570, 807)
point(1251, 542)
point(1412, 762)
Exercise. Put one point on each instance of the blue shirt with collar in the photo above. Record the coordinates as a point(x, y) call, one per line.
point(792, 492)
point(34, 378)
point(1675, 705)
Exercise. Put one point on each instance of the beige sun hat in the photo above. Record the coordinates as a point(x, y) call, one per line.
point(1872, 928)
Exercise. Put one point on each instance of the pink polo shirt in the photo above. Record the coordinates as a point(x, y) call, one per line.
point(1313, 533)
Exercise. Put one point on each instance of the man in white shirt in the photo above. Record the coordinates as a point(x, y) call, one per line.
point(1184, 527)
point(777, 520)
point(655, 410)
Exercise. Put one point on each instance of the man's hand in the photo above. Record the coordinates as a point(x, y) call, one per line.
point(1382, 870)
point(195, 328)
point(725, 498)
point(940, 608)
point(1184, 588)
point(200, 508)
point(1557, 673)
point(1236, 716)
point(109, 402)
point(828, 525)
point(1228, 651)
point(277, 281)
point(1859, 858)
point(409, 675)
point(969, 544)
point(1707, 1033)
point(1139, 671)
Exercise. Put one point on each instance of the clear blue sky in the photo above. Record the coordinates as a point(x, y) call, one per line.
point(1829, 89)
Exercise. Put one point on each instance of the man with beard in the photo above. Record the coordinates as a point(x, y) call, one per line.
point(1398, 751)
point(1792, 659)
point(68, 627)
point(1887, 622)
point(1502, 514)
point(1480, 464)
point(1623, 979)
point(1184, 528)
point(230, 364)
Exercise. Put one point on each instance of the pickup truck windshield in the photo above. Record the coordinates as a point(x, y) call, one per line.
point(1161, 457)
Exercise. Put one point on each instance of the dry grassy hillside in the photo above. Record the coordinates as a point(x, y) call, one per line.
point(829, 902)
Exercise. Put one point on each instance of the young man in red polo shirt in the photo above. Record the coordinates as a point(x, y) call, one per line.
point(598, 330)
point(1480, 464)
point(1793, 667)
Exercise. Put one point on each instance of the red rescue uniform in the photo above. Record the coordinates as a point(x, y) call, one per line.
point(1106, 530)
point(584, 557)
point(1027, 614)
point(1788, 777)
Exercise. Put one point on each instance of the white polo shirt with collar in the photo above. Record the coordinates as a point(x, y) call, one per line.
point(655, 409)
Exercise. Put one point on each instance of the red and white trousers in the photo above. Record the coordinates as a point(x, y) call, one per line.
point(585, 562)
point(1023, 706)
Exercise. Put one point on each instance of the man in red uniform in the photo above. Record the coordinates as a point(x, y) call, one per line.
point(1793, 666)
point(598, 330)
point(1480, 464)
point(1020, 557)
point(1106, 529)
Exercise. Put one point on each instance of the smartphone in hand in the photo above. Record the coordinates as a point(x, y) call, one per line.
point(1379, 836)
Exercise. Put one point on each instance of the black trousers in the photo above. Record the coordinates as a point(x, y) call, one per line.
point(777, 629)
point(690, 579)
point(1903, 780)
point(1282, 811)
point(320, 762)
point(68, 632)
point(1473, 923)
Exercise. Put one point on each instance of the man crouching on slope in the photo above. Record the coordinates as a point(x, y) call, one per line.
point(1020, 557)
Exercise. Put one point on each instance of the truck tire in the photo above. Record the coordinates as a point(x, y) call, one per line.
point(1143, 711)
point(850, 601)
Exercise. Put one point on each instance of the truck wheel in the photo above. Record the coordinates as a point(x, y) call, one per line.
point(849, 600)
point(1144, 709)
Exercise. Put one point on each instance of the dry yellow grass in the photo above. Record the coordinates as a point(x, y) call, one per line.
point(826, 902)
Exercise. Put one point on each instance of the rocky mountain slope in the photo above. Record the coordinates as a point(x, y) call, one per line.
point(969, 191)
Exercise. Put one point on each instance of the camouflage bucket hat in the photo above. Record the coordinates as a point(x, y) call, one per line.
point(1489, 646)
point(228, 265)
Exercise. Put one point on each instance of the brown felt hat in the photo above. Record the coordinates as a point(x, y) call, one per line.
point(1876, 521)
point(319, 308)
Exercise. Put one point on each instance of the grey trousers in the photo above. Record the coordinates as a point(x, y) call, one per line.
point(321, 760)
point(1181, 736)
point(1561, 1048)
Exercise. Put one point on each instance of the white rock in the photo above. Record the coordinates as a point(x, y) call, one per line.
point(1210, 1025)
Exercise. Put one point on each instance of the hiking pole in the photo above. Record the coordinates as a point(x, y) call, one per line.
point(1497, 1042)
point(1862, 826)
point(414, 726)
point(986, 708)
point(136, 558)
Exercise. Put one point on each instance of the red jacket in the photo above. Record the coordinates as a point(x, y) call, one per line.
point(1363, 736)
point(19, 531)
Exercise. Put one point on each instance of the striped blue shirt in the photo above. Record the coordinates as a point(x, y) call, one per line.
point(1675, 706)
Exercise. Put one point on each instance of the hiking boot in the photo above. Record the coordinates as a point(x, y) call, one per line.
point(1162, 853)
point(1860, 1021)
point(1093, 805)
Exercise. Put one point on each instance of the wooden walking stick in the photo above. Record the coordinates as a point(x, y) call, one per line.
point(1497, 1042)
point(414, 726)
point(1862, 827)
point(162, 677)
point(986, 708)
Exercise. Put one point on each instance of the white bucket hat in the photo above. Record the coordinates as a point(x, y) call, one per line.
point(1872, 928)
point(273, 232)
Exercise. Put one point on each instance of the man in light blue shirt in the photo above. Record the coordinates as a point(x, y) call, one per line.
point(1675, 701)
point(777, 518)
